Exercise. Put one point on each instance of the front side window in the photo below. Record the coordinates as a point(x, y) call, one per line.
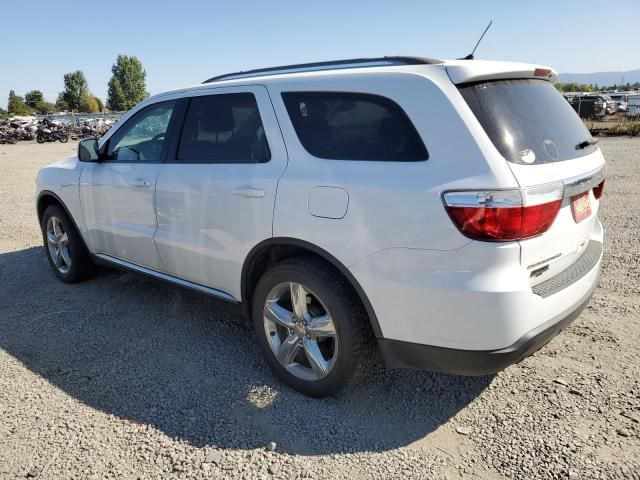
point(223, 128)
point(353, 126)
point(142, 138)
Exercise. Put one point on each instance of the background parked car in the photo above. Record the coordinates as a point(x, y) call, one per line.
point(633, 106)
point(610, 105)
point(589, 106)
point(621, 100)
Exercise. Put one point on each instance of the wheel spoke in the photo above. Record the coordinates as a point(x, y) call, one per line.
point(288, 349)
point(58, 258)
point(321, 326)
point(66, 258)
point(298, 300)
point(319, 365)
point(64, 239)
point(277, 314)
point(51, 237)
point(56, 227)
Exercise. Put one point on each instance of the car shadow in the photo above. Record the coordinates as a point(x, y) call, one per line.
point(187, 365)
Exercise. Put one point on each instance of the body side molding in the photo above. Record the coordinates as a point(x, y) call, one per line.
point(113, 261)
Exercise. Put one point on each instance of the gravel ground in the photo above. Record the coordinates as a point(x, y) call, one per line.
point(123, 377)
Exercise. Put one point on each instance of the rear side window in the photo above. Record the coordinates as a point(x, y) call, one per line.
point(353, 126)
point(223, 128)
point(528, 121)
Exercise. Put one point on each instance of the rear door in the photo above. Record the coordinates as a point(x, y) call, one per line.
point(215, 194)
point(544, 142)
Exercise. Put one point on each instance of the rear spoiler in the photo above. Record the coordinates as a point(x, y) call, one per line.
point(467, 71)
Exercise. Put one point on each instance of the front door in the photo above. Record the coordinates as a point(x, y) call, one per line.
point(117, 193)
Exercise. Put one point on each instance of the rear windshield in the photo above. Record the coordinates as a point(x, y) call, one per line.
point(528, 121)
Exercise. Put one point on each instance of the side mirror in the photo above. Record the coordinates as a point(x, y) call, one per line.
point(88, 150)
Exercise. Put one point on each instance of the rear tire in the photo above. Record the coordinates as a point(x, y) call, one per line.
point(64, 248)
point(334, 347)
point(40, 139)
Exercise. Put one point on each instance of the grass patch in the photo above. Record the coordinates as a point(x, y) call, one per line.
point(629, 127)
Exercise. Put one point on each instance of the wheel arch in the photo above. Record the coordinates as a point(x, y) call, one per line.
point(272, 250)
point(47, 198)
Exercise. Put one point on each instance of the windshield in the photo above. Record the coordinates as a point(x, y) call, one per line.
point(528, 121)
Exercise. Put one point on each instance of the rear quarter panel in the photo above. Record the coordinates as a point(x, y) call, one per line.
point(391, 204)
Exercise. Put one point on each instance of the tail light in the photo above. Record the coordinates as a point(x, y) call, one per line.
point(597, 190)
point(505, 215)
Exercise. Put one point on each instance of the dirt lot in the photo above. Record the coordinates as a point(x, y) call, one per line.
point(122, 377)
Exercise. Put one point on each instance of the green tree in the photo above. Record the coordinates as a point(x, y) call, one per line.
point(89, 104)
point(127, 86)
point(3, 113)
point(33, 97)
point(75, 89)
point(16, 105)
point(573, 87)
point(35, 100)
point(45, 107)
point(100, 104)
point(61, 104)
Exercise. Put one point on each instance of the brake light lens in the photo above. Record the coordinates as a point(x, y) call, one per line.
point(504, 215)
point(597, 190)
point(542, 72)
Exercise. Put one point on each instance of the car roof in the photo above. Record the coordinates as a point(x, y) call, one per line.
point(330, 65)
point(459, 71)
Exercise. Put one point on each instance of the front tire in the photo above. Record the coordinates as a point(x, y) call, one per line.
point(40, 138)
point(65, 250)
point(311, 327)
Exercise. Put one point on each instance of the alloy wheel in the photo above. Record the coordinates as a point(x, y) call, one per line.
point(300, 331)
point(58, 244)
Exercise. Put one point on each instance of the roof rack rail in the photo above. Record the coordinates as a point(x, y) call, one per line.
point(331, 65)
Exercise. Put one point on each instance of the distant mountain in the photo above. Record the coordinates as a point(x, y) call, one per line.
point(601, 78)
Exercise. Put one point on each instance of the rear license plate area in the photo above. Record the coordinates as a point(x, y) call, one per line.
point(581, 206)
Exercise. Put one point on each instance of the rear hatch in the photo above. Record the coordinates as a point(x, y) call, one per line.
point(544, 143)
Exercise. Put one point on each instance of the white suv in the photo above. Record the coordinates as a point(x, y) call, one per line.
point(443, 214)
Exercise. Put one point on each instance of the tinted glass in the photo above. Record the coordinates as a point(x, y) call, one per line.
point(223, 129)
point(353, 126)
point(528, 121)
point(142, 138)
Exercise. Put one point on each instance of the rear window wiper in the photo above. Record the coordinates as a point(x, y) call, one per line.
point(586, 143)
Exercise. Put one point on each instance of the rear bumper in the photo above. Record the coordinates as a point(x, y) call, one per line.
point(400, 354)
point(475, 298)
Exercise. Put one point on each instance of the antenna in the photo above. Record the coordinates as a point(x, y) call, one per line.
point(470, 56)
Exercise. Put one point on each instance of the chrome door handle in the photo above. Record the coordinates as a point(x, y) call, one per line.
point(249, 192)
point(140, 182)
